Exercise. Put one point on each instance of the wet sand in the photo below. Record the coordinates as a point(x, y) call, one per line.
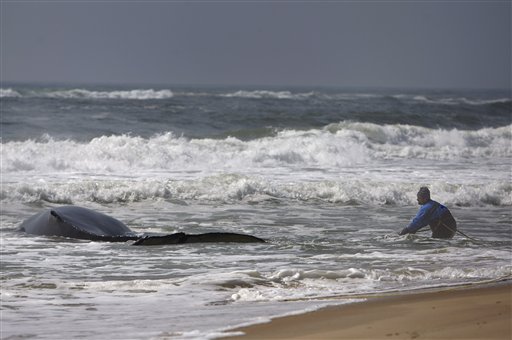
point(462, 313)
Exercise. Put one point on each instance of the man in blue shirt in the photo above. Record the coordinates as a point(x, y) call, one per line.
point(432, 213)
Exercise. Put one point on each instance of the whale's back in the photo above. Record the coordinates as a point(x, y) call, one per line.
point(75, 222)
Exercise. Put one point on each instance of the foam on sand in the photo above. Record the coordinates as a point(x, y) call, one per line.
point(483, 313)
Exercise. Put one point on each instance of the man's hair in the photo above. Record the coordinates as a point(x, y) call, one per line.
point(424, 192)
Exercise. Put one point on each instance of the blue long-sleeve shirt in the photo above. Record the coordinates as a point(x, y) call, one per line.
point(428, 213)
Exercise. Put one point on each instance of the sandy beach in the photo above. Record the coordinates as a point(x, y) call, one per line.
point(460, 313)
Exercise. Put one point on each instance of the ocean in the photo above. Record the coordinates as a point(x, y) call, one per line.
point(328, 176)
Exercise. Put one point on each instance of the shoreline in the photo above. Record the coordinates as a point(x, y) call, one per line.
point(481, 312)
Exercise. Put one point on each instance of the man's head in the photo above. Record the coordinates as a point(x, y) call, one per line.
point(423, 195)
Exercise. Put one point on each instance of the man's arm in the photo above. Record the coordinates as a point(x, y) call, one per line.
point(419, 221)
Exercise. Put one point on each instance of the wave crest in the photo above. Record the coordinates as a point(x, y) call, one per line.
point(348, 163)
point(253, 189)
point(131, 94)
point(9, 93)
point(330, 95)
point(137, 94)
point(261, 94)
point(337, 146)
point(408, 141)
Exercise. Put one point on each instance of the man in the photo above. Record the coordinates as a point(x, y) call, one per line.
point(441, 221)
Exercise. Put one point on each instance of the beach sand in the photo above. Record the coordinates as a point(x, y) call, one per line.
point(460, 313)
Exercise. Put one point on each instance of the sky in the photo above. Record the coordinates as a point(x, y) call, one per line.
point(421, 44)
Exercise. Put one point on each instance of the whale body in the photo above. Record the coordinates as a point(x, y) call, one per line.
point(82, 223)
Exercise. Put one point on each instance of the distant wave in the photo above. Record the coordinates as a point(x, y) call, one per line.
point(9, 93)
point(132, 94)
point(137, 94)
point(143, 94)
point(262, 94)
point(457, 100)
point(268, 94)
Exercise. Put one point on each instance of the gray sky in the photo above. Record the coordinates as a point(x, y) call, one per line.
point(371, 43)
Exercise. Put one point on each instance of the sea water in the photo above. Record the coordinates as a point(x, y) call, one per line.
point(327, 176)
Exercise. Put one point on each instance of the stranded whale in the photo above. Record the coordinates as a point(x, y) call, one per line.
point(81, 223)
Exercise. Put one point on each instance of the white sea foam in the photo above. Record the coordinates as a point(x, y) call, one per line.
point(349, 96)
point(9, 93)
point(289, 284)
point(169, 153)
point(250, 189)
point(454, 100)
point(137, 94)
point(258, 94)
point(342, 145)
point(407, 141)
point(345, 162)
point(289, 276)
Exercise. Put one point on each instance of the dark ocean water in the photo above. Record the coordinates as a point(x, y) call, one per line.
point(328, 176)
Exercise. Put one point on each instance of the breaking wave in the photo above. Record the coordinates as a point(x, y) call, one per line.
point(252, 189)
point(259, 94)
point(132, 94)
point(9, 93)
point(457, 100)
point(127, 168)
point(137, 94)
point(345, 144)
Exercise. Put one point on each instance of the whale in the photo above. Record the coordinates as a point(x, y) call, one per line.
point(81, 223)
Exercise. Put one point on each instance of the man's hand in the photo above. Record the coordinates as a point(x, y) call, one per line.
point(403, 232)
